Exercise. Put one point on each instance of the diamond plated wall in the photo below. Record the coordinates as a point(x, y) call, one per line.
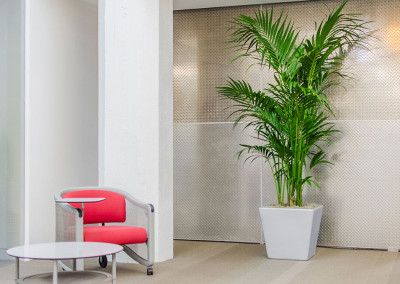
point(216, 197)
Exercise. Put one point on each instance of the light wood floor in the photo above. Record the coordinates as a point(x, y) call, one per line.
point(214, 262)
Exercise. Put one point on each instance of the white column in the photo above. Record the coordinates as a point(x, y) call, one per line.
point(135, 106)
point(61, 101)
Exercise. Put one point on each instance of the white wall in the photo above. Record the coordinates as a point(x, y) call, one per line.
point(62, 106)
point(136, 106)
point(11, 125)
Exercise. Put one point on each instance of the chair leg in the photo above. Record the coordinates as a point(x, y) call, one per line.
point(103, 261)
point(149, 270)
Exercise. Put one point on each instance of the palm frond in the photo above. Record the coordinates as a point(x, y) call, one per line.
point(289, 117)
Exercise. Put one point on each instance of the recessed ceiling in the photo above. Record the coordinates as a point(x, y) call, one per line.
point(198, 4)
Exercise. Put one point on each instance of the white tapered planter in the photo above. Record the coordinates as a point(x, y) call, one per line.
point(291, 233)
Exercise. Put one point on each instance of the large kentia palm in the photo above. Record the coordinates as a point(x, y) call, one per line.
point(290, 117)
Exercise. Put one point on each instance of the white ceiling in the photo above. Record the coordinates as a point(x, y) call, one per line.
point(92, 2)
point(197, 4)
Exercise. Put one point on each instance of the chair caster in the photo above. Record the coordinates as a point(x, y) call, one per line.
point(103, 261)
point(150, 271)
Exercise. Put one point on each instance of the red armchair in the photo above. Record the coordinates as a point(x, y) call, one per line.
point(119, 219)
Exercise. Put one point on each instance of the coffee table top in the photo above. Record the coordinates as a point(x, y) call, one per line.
point(64, 250)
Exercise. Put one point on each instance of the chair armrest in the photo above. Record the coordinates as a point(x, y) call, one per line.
point(69, 223)
point(68, 208)
point(130, 198)
point(148, 210)
point(149, 207)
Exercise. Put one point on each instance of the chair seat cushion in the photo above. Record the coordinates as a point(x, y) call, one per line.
point(118, 235)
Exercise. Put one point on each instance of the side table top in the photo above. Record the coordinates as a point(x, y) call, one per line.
point(79, 200)
point(64, 250)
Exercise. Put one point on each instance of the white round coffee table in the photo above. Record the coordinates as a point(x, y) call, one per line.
point(64, 250)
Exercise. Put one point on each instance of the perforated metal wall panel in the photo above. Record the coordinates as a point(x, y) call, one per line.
point(216, 197)
point(360, 193)
point(202, 61)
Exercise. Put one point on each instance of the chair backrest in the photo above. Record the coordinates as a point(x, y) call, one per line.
point(112, 209)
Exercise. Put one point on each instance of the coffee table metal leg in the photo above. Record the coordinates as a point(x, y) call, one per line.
point(114, 269)
point(16, 269)
point(55, 272)
point(78, 265)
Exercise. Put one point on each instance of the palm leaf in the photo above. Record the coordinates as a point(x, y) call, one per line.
point(289, 117)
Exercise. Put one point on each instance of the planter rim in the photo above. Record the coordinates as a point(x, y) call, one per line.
point(291, 208)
